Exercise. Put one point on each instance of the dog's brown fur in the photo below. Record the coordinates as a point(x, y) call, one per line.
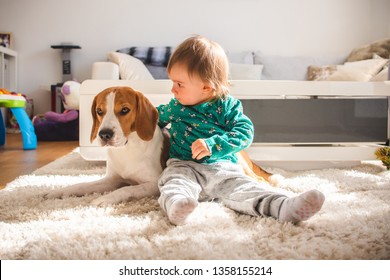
point(144, 117)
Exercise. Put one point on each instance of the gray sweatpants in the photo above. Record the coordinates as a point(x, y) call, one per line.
point(224, 181)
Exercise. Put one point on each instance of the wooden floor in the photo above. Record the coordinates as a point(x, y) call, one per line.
point(14, 161)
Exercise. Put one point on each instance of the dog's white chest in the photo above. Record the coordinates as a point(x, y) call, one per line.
point(138, 161)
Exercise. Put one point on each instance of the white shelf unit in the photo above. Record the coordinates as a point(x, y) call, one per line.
point(287, 156)
point(8, 69)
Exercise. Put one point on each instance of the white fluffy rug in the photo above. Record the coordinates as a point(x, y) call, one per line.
point(354, 222)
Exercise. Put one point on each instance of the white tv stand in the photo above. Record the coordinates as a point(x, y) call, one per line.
point(285, 155)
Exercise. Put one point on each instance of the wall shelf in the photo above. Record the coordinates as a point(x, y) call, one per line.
point(8, 69)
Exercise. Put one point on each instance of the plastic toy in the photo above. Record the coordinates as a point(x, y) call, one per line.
point(53, 126)
point(16, 104)
point(71, 95)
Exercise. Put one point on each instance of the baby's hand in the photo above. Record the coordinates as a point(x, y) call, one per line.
point(199, 149)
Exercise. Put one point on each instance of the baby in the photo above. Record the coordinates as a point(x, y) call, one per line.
point(208, 128)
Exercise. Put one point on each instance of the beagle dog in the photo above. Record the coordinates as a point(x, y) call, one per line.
point(125, 121)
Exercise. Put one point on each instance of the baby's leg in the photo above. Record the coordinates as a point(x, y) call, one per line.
point(180, 209)
point(301, 207)
point(245, 195)
point(179, 191)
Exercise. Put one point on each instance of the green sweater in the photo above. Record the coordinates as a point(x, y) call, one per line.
point(220, 122)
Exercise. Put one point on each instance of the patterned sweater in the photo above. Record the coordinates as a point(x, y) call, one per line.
point(220, 122)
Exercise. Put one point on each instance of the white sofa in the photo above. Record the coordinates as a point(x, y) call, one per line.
point(255, 65)
point(254, 76)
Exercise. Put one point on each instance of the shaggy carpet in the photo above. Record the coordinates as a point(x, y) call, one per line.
point(354, 222)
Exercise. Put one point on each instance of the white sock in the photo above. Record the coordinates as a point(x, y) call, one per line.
point(180, 209)
point(301, 207)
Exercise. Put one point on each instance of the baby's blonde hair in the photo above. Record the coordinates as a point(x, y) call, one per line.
point(206, 59)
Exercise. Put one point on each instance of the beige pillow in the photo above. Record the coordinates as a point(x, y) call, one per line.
point(320, 73)
point(361, 71)
point(380, 47)
point(130, 68)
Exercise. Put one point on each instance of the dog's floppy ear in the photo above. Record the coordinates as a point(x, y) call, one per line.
point(95, 125)
point(146, 118)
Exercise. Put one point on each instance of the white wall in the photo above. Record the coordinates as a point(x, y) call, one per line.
point(274, 26)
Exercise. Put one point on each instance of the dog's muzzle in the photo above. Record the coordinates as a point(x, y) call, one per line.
point(107, 138)
point(106, 135)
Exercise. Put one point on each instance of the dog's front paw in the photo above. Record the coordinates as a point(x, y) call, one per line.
point(107, 200)
point(54, 194)
point(101, 201)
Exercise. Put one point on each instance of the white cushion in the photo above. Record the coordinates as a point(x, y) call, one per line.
point(361, 71)
point(381, 76)
point(105, 71)
point(130, 68)
point(239, 71)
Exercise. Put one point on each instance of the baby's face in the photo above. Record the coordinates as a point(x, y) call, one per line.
point(189, 90)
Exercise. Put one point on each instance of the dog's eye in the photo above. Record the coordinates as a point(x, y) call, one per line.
point(99, 112)
point(124, 111)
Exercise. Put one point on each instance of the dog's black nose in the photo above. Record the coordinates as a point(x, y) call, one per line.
point(106, 134)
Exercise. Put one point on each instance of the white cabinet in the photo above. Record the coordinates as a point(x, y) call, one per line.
point(8, 69)
point(277, 154)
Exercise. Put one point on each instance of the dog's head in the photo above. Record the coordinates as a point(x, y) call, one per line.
point(119, 111)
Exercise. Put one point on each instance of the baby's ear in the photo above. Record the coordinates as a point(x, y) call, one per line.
point(207, 88)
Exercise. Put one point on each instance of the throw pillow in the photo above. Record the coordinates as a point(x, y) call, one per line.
point(130, 68)
point(380, 47)
point(157, 56)
point(240, 71)
point(320, 73)
point(381, 76)
point(361, 71)
point(244, 57)
point(158, 72)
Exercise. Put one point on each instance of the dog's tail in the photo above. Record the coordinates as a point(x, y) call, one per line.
point(251, 169)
